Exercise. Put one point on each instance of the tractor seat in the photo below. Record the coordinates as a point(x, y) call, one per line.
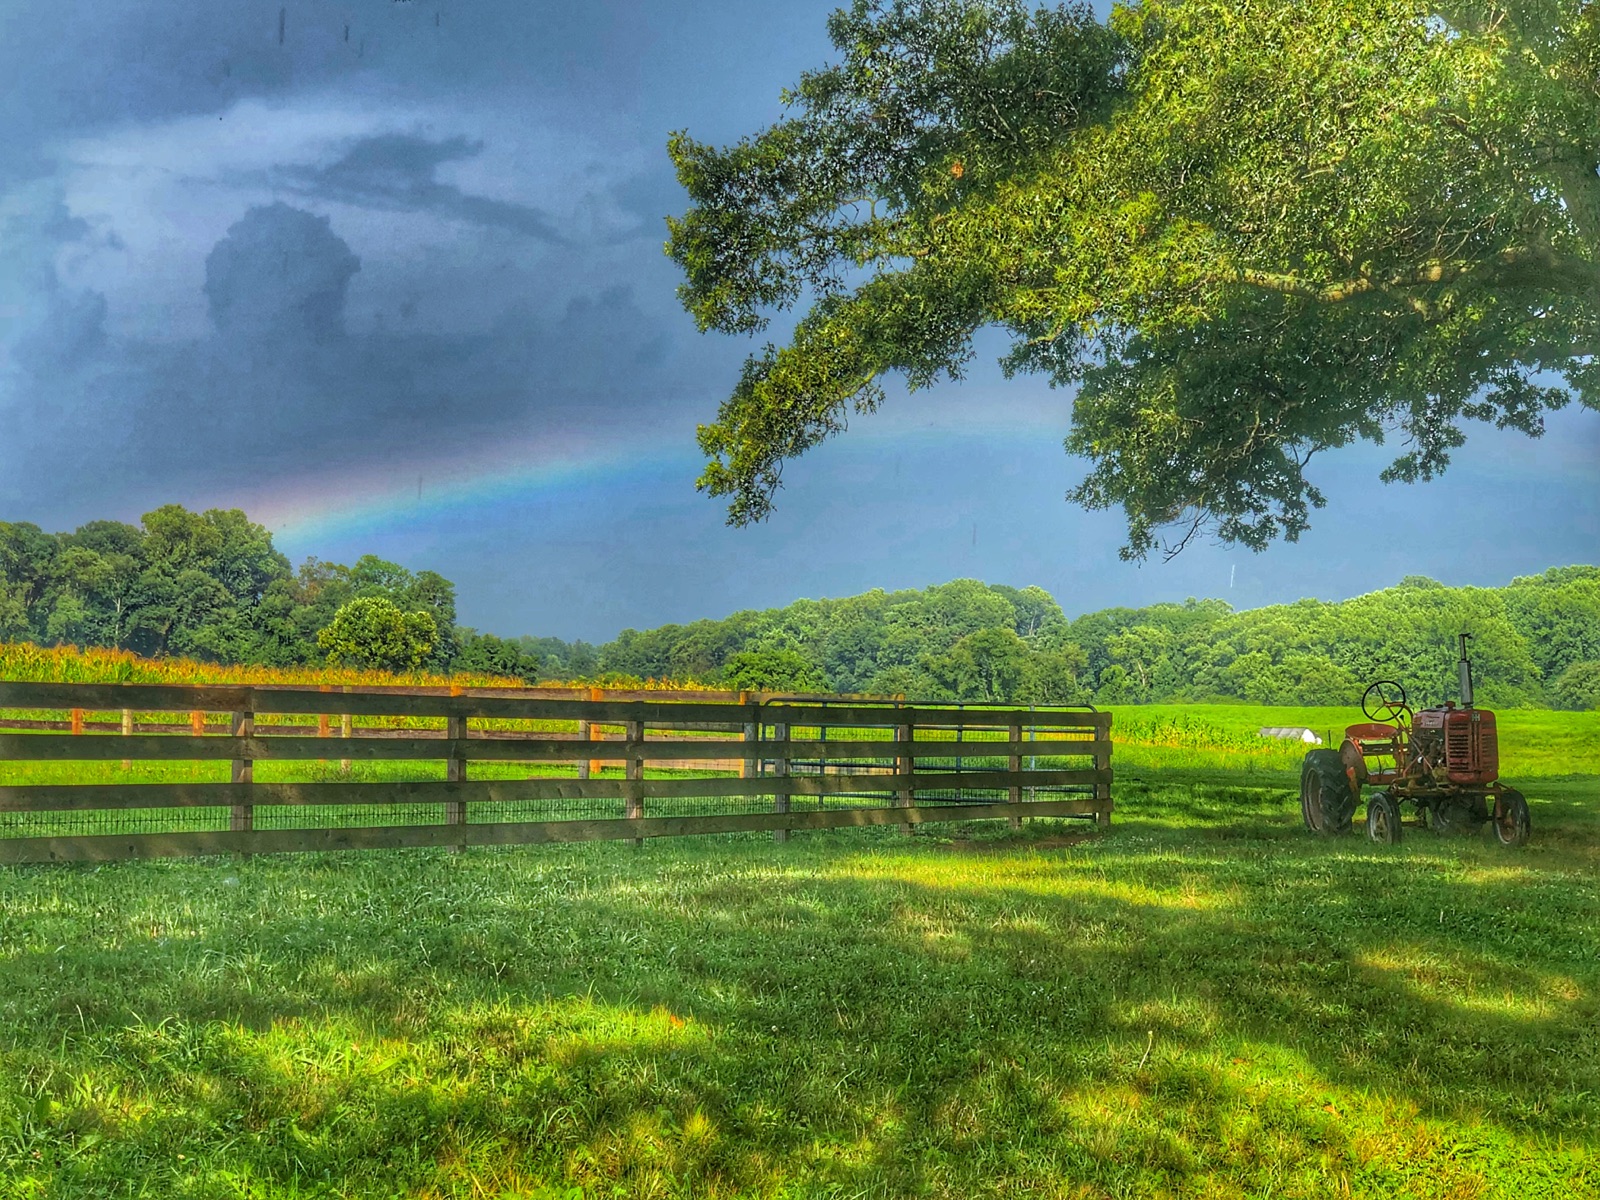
point(1375, 732)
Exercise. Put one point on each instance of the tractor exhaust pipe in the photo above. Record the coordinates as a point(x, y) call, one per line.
point(1464, 672)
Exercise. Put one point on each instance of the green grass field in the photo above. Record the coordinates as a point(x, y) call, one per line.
point(1207, 1001)
point(1533, 742)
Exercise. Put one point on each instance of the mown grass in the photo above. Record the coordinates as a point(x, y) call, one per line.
point(1204, 1002)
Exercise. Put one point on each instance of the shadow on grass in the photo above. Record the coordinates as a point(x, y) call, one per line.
point(1207, 998)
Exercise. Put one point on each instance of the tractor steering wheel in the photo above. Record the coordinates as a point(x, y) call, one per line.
point(1385, 701)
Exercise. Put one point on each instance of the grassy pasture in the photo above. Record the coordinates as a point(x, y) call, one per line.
point(1205, 1002)
point(1533, 742)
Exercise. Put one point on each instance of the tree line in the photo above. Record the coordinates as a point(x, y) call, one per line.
point(1535, 642)
point(212, 586)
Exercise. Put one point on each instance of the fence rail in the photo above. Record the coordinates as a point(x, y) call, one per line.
point(250, 769)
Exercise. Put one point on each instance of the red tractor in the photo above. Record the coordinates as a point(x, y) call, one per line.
point(1443, 761)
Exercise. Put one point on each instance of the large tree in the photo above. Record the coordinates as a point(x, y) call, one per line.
point(1244, 230)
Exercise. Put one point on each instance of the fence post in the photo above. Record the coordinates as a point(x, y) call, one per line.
point(583, 736)
point(633, 772)
point(1014, 763)
point(322, 720)
point(242, 817)
point(346, 729)
point(76, 720)
point(904, 765)
point(751, 732)
point(1102, 791)
point(197, 723)
point(780, 768)
point(455, 771)
point(127, 731)
point(596, 765)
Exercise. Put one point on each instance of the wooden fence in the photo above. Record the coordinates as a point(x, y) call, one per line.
point(252, 769)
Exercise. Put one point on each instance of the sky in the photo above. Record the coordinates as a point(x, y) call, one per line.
point(388, 275)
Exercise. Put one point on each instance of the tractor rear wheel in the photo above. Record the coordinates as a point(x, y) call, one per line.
point(1383, 818)
point(1511, 821)
point(1325, 793)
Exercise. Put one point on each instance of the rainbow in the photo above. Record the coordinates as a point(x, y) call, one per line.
point(359, 505)
point(352, 507)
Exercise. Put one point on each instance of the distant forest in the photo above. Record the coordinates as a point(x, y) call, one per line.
point(211, 586)
point(1535, 642)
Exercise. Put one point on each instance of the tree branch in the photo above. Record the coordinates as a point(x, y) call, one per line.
point(1434, 271)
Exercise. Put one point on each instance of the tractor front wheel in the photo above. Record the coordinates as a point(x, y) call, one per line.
point(1511, 822)
point(1325, 802)
point(1383, 818)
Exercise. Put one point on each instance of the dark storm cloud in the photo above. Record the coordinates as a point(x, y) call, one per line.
point(50, 327)
point(310, 405)
point(397, 171)
point(73, 64)
point(515, 327)
point(281, 389)
point(563, 322)
point(280, 273)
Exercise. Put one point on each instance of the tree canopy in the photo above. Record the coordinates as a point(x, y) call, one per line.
point(205, 585)
point(1245, 231)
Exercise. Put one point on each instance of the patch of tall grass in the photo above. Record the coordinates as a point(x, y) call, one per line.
point(24, 661)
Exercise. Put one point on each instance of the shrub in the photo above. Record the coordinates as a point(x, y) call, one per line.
point(372, 632)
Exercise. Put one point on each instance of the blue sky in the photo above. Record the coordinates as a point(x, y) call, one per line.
point(498, 383)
